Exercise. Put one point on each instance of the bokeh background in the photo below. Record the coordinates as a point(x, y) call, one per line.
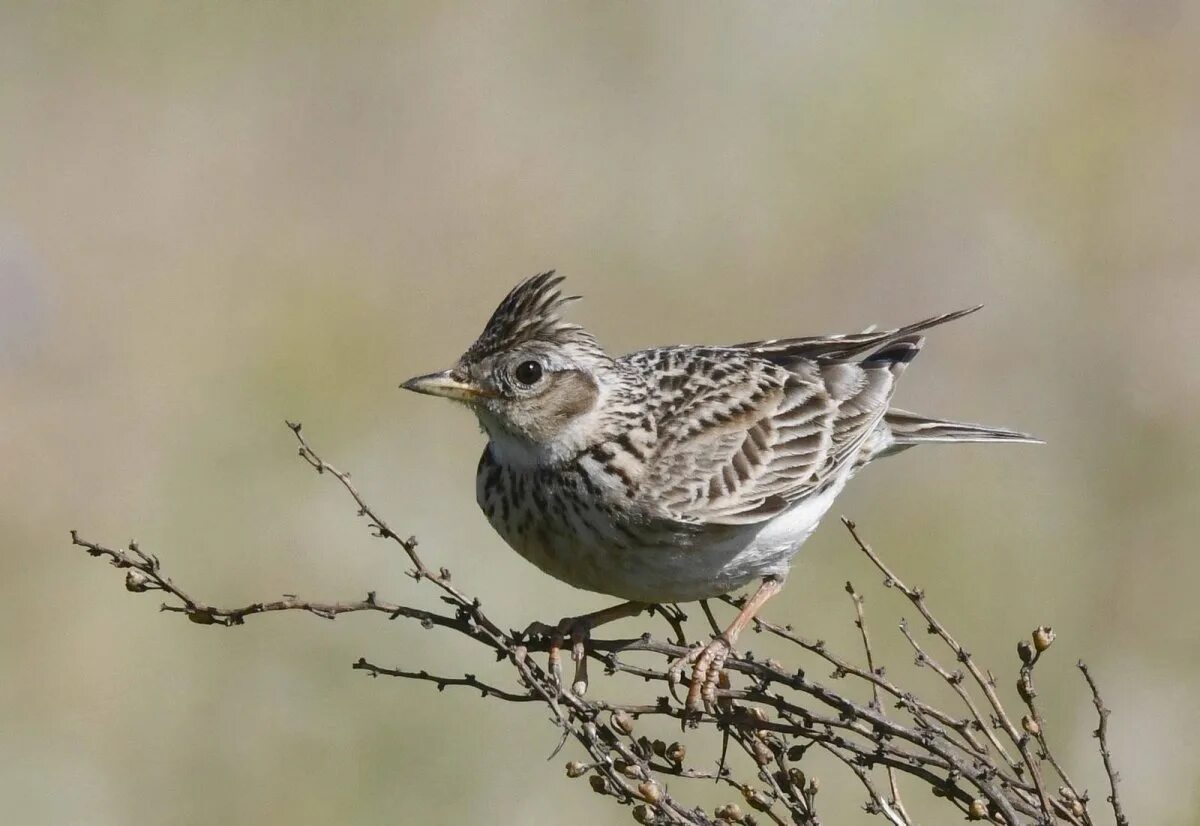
point(214, 216)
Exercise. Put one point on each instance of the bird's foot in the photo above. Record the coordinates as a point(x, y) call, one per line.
point(676, 669)
point(706, 675)
point(575, 629)
point(707, 663)
point(578, 630)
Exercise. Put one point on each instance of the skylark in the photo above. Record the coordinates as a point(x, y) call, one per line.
point(675, 473)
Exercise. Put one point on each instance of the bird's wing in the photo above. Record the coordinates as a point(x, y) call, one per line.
point(745, 432)
point(845, 346)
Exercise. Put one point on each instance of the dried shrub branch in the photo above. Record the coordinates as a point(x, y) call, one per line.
point(774, 714)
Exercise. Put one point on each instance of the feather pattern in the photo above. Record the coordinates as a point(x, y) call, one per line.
point(740, 438)
point(681, 472)
point(530, 312)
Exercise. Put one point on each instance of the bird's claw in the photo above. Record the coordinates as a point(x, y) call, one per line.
point(675, 671)
point(706, 675)
point(577, 630)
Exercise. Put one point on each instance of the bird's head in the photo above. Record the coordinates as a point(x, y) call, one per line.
point(530, 375)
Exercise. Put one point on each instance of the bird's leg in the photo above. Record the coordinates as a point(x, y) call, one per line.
point(706, 673)
point(577, 629)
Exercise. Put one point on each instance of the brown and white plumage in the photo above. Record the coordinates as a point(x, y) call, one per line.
point(675, 473)
point(681, 472)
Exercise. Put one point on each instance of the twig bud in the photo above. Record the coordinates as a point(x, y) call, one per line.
point(756, 799)
point(1031, 725)
point(202, 617)
point(599, 784)
point(650, 791)
point(814, 786)
point(731, 812)
point(978, 810)
point(796, 778)
point(1025, 651)
point(136, 582)
point(622, 722)
point(659, 748)
point(762, 754)
point(576, 769)
point(642, 814)
point(676, 752)
point(1043, 636)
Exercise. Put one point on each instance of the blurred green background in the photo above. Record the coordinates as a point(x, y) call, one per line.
point(214, 216)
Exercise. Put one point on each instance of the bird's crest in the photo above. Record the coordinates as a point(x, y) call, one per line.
point(530, 312)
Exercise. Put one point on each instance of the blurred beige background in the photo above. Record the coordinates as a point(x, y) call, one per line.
point(214, 216)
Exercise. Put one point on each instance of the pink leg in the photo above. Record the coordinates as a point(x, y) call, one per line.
point(578, 629)
point(709, 660)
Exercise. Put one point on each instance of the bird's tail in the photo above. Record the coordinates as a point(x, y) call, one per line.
point(909, 429)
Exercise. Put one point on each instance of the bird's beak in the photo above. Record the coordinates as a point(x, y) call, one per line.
point(446, 385)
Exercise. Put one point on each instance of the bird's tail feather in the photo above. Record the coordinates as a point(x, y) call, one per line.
point(911, 428)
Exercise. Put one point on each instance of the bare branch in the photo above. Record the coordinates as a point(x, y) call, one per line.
point(917, 597)
point(771, 713)
point(1101, 734)
point(894, 812)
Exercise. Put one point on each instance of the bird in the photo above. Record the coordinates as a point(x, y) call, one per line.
point(675, 473)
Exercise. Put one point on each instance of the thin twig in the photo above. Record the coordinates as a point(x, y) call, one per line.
point(955, 680)
point(917, 597)
point(468, 680)
point(1073, 806)
point(899, 815)
point(1101, 734)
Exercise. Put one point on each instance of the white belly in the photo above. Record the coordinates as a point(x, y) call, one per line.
point(701, 571)
point(597, 556)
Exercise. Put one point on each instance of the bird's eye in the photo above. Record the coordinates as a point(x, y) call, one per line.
point(528, 372)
